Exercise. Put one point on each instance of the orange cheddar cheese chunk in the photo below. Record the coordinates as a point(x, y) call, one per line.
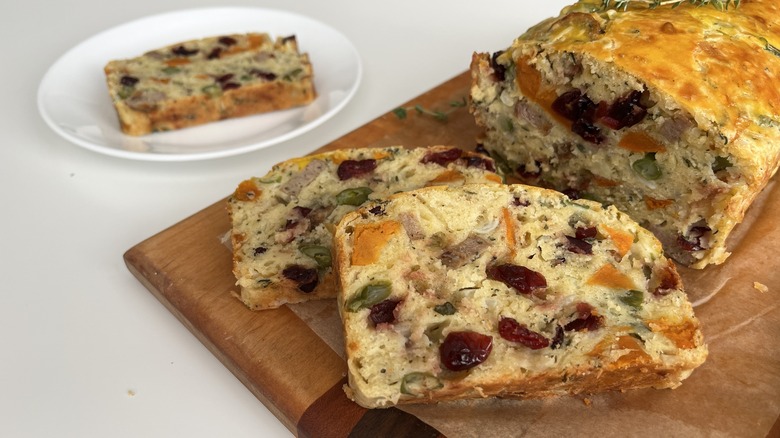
point(623, 240)
point(370, 239)
point(638, 141)
point(247, 191)
point(609, 276)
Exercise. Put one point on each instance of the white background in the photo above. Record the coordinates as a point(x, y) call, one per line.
point(85, 349)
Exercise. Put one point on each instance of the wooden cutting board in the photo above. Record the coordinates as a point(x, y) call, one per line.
point(274, 353)
point(299, 377)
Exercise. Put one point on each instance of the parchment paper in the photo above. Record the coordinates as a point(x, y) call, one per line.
point(736, 393)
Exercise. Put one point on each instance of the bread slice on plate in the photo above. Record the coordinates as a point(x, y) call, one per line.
point(215, 78)
point(670, 114)
point(283, 222)
point(509, 291)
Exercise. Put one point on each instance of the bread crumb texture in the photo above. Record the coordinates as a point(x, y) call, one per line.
point(507, 290)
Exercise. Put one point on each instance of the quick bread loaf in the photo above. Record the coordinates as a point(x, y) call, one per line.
point(200, 81)
point(670, 114)
point(282, 223)
point(506, 290)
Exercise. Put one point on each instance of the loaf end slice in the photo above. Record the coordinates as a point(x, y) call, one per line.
point(283, 222)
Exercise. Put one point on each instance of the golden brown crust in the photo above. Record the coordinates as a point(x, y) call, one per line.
point(719, 66)
point(710, 75)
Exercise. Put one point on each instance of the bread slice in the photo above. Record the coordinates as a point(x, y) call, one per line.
point(282, 223)
point(508, 291)
point(670, 114)
point(196, 82)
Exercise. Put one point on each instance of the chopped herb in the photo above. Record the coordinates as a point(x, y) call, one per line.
point(444, 309)
point(400, 113)
point(507, 124)
point(721, 163)
point(772, 49)
point(622, 5)
point(442, 116)
point(171, 70)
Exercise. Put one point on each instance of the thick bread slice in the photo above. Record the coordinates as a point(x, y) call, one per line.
point(670, 114)
point(510, 291)
point(282, 223)
point(200, 81)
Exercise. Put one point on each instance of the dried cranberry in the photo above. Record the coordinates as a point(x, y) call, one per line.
point(230, 86)
point(354, 168)
point(587, 130)
point(585, 232)
point(557, 340)
point(260, 250)
point(669, 282)
point(442, 158)
point(464, 350)
point(215, 53)
point(377, 210)
point(694, 240)
point(517, 202)
point(572, 193)
point(383, 312)
point(262, 74)
point(183, 51)
point(578, 246)
point(626, 111)
point(306, 278)
point(480, 163)
point(523, 171)
point(128, 81)
point(521, 278)
point(224, 78)
point(511, 330)
point(586, 319)
point(573, 105)
point(227, 41)
point(499, 71)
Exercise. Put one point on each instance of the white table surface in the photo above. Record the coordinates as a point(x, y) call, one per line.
point(85, 349)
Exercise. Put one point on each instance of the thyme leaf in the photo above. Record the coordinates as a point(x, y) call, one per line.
point(772, 49)
point(400, 113)
point(622, 5)
point(442, 116)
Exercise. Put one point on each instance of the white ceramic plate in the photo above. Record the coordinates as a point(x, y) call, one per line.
point(74, 101)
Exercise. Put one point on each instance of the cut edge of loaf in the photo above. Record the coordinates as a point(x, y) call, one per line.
point(632, 371)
